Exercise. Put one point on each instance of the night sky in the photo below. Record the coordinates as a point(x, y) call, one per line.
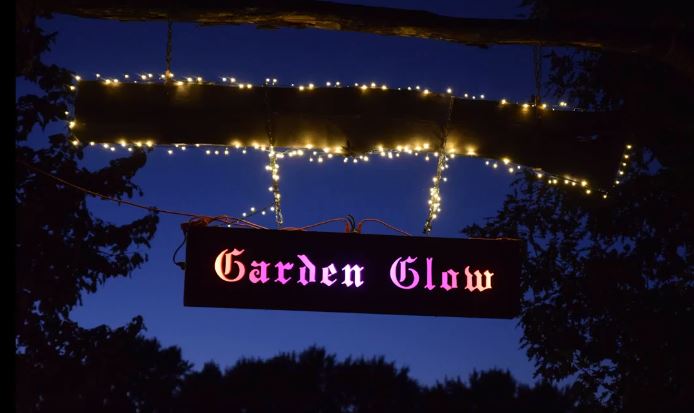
point(393, 190)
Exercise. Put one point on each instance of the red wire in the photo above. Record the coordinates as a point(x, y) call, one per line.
point(229, 220)
point(359, 225)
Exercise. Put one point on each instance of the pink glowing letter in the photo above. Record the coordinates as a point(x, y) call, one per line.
point(430, 285)
point(403, 273)
point(228, 264)
point(253, 275)
point(328, 272)
point(302, 271)
point(478, 279)
point(348, 269)
point(280, 272)
point(449, 279)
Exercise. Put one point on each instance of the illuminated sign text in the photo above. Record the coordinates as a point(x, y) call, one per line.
point(316, 271)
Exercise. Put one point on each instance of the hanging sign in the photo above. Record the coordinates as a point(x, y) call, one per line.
point(355, 273)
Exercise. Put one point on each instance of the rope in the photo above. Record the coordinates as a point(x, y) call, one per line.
point(537, 63)
point(169, 41)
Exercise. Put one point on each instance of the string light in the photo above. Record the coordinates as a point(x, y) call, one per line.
point(435, 198)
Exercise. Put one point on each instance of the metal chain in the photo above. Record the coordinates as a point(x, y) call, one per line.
point(169, 39)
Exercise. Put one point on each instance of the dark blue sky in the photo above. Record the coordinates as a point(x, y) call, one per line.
point(393, 190)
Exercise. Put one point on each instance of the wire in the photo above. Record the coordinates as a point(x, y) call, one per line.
point(222, 218)
point(200, 219)
point(385, 224)
point(317, 224)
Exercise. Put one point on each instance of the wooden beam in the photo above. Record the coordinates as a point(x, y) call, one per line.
point(670, 46)
point(582, 145)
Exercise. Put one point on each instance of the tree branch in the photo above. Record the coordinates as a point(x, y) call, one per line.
point(669, 46)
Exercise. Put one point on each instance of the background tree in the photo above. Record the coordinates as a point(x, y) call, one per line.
point(62, 251)
point(315, 381)
point(609, 284)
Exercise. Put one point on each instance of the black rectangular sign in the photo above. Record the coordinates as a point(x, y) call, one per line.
point(355, 273)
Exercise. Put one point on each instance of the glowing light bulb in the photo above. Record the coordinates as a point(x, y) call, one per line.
point(504, 101)
point(327, 84)
point(481, 96)
point(449, 91)
point(170, 152)
point(310, 86)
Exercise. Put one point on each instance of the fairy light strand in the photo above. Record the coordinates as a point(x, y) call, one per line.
point(275, 153)
point(274, 167)
point(435, 190)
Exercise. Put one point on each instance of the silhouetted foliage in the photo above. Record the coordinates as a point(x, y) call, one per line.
point(609, 284)
point(314, 381)
point(62, 251)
